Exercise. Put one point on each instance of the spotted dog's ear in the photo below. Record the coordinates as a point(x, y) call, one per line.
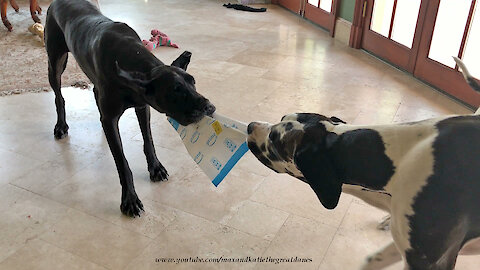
point(313, 160)
point(335, 119)
point(137, 81)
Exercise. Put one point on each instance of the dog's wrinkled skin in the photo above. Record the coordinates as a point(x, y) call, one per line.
point(426, 174)
point(277, 146)
point(125, 74)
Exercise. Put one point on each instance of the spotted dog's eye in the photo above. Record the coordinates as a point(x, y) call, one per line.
point(288, 126)
point(273, 136)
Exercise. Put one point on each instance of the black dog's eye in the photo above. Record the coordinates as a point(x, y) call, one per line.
point(178, 96)
point(190, 79)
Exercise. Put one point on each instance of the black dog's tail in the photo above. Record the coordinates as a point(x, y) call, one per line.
point(244, 8)
point(466, 74)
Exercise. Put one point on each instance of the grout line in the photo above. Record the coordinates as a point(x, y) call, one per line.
point(299, 215)
point(77, 255)
point(333, 238)
point(218, 223)
point(276, 235)
point(396, 112)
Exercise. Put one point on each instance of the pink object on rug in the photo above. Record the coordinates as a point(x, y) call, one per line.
point(158, 39)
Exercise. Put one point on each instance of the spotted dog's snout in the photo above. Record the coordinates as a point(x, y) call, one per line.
point(250, 128)
point(257, 131)
point(274, 145)
point(257, 136)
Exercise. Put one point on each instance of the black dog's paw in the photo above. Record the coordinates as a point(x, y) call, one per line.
point(131, 205)
point(158, 173)
point(60, 131)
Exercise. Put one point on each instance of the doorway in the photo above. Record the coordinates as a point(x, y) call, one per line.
point(320, 12)
point(421, 36)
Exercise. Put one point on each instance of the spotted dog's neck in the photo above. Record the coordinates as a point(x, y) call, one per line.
point(368, 155)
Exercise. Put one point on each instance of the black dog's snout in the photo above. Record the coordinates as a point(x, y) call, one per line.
point(209, 109)
point(250, 128)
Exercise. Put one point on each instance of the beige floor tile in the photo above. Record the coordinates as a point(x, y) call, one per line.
point(467, 262)
point(163, 135)
point(406, 113)
point(12, 165)
point(356, 238)
point(258, 59)
point(195, 193)
point(257, 219)
point(252, 66)
point(359, 238)
point(61, 164)
point(376, 116)
point(302, 238)
point(96, 190)
point(250, 164)
point(296, 197)
point(96, 240)
point(25, 216)
point(38, 254)
point(191, 236)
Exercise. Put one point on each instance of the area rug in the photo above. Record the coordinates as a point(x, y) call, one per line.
point(23, 59)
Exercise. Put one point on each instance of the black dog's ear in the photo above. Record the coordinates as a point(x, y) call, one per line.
point(132, 79)
point(317, 168)
point(183, 60)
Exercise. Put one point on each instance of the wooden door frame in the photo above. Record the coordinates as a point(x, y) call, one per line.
point(451, 81)
point(329, 24)
point(297, 9)
point(385, 48)
point(419, 65)
point(356, 33)
point(396, 53)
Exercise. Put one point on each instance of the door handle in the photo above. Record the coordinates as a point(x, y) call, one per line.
point(364, 9)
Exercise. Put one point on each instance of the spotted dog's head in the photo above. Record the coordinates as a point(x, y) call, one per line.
point(299, 145)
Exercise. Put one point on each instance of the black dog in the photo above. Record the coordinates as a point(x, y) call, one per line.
point(125, 74)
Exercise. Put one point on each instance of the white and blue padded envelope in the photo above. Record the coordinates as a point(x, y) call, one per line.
point(215, 143)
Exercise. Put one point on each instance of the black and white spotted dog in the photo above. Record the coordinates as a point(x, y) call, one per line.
point(426, 174)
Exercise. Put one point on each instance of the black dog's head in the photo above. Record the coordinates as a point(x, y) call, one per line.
point(299, 145)
point(170, 90)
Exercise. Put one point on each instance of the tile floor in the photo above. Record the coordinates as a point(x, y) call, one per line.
point(60, 199)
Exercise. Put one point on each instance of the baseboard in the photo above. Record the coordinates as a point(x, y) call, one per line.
point(342, 30)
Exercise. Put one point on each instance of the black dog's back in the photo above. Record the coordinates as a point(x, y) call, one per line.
point(76, 7)
point(88, 35)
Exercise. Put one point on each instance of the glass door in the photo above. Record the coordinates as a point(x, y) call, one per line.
point(391, 29)
point(321, 12)
point(452, 29)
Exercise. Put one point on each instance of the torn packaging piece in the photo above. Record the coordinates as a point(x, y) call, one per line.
point(215, 143)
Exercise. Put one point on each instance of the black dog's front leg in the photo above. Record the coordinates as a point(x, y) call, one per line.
point(156, 169)
point(130, 205)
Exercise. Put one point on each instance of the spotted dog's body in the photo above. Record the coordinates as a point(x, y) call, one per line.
point(427, 174)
